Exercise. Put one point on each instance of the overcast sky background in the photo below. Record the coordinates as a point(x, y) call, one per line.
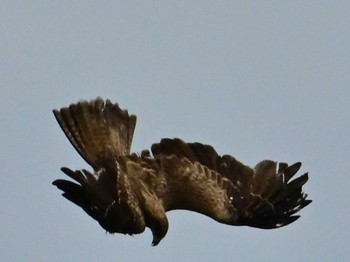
point(255, 79)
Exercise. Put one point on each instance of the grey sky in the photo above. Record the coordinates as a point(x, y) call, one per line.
point(257, 79)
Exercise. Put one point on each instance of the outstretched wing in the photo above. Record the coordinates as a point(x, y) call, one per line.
point(96, 129)
point(106, 196)
point(228, 191)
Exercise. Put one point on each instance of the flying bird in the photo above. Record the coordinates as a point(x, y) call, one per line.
point(127, 192)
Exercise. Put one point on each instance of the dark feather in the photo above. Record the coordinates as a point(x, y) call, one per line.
point(97, 129)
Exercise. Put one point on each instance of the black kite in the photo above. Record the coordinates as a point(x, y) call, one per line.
point(128, 192)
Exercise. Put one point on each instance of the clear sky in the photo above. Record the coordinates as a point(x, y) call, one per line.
point(255, 79)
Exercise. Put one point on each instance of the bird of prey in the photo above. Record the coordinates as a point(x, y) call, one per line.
point(127, 192)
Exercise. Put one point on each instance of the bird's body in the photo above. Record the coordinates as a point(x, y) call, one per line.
point(129, 192)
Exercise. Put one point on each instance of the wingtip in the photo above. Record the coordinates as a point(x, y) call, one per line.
point(57, 114)
point(59, 182)
point(292, 219)
point(294, 168)
point(307, 202)
point(66, 170)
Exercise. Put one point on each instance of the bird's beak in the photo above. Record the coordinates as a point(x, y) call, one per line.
point(155, 241)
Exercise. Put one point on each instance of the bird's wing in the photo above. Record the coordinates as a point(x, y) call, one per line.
point(108, 196)
point(193, 186)
point(97, 129)
point(261, 197)
point(268, 198)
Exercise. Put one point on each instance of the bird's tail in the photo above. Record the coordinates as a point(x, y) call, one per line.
point(97, 128)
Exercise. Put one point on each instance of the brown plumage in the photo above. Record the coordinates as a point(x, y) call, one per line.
point(128, 192)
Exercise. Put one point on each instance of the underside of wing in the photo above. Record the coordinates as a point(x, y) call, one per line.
point(269, 199)
point(193, 186)
point(262, 197)
point(96, 129)
point(107, 196)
